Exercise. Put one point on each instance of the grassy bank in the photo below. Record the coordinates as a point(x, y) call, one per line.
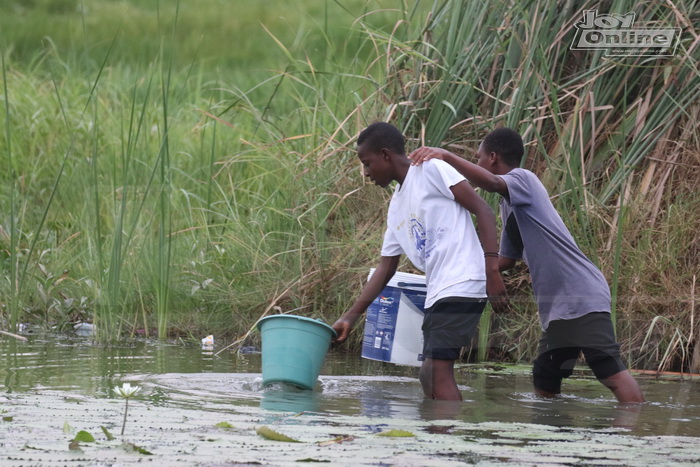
point(183, 169)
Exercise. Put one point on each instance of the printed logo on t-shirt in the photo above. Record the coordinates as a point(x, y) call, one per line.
point(418, 234)
point(433, 237)
point(425, 241)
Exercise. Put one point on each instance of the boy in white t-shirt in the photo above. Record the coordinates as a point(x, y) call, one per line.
point(429, 220)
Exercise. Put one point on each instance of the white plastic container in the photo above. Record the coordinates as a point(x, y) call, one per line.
point(393, 322)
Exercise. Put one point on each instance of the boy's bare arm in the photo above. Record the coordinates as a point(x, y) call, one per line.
point(382, 274)
point(476, 175)
point(486, 228)
point(505, 264)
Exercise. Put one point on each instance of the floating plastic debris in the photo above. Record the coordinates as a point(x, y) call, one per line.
point(84, 329)
point(208, 343)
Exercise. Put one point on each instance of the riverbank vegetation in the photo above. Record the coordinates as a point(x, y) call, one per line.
point(180, 169)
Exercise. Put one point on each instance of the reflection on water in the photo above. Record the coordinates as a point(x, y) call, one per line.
point(182, 376)
point(286, 398)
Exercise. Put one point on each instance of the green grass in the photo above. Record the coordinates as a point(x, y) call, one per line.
point(173, 192)
point(180, 168)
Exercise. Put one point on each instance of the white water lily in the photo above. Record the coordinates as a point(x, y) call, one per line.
point(126, 390)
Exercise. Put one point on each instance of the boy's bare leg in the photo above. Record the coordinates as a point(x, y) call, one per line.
point(438, 380)
point(624, 386)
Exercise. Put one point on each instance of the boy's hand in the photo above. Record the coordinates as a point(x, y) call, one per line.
point(496, 291)
point(426, 153)
point(343, 328)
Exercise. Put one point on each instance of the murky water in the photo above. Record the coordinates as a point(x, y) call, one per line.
point(369, 397)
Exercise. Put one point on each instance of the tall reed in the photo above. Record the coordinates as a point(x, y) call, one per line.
point(593, 123)
point(10, 314)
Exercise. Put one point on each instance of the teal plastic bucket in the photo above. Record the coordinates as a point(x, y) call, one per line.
point(293, 349)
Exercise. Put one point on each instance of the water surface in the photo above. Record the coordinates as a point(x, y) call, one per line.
point(186, 389)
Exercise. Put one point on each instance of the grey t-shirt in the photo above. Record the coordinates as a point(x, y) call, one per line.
point(566, 283)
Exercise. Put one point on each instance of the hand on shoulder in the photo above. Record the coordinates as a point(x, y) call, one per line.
point(426, 153)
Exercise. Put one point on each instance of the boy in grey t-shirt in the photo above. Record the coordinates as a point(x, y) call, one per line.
point(572, 295)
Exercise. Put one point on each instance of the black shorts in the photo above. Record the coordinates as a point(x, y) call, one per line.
point(565, 339)
point(449, 325)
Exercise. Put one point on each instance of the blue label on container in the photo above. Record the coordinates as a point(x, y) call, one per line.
point(380, 324)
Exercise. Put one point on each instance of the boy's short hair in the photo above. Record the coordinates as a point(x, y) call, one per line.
point(507, 143)
point(381, 135)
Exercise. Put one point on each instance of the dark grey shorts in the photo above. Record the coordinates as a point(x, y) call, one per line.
point(449, 325)
point(565, 339)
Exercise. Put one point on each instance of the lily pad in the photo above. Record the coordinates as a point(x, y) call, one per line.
point(337, 440)
point(139, 449)
point(396, 434)
point(84, 436)
point(109, 435)
point(74, 446)
point(539, 435)
point(272, 435)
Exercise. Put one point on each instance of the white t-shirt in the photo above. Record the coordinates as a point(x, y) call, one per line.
point(436, 233)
